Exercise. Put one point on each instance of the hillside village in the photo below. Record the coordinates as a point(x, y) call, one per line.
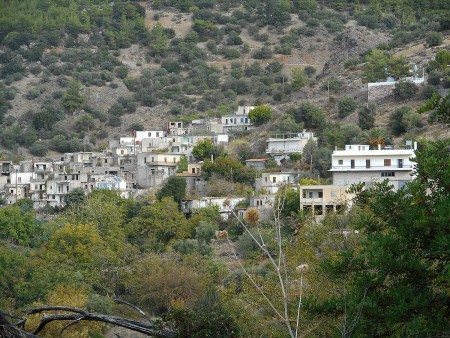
point(144, 161)
point(224, 168)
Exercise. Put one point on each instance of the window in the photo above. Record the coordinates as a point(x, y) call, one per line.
point(157, 134)
point(266, 179)
point(318, 210)
point(387, 162)
point(387, 173)
point(310, 194)
point(400, 163)
point(165, 159)
point(352, 164)
point(341, 162)
point(320, 194)
point(274, 179)
point(367, 163)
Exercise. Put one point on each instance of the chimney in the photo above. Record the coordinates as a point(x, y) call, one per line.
point(379, 146)
point(415, 145)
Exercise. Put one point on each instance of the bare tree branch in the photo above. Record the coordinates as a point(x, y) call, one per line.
point(78, 315)
point(118, 301)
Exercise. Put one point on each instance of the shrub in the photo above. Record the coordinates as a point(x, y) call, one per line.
point(35, 69)
point(397, 123)
point(405, 90)
point(312, 22)
point(171, 65)
point(310, 71)
point(428, 91)
point(434, 78)
point(366, 117)
point(35, 92)
point(263, 53)
point(346, 106)
point(114, 121)
point(446, 81)
point(434, 39)
point(39, 149)
point(261, 37)
point(260, 114)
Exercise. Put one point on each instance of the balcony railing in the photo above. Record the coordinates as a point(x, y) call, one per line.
point(363, 167)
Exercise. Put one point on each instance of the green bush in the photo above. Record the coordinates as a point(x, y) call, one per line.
point(310, 71)
point(434, 78)
point(396, 121)
point(405, 90)
point(366, 117)
point(260, 114)
point(434, 39)
point(346, 106)
point(428, 91)
point(312, 22)
point(39, 149)
point(114, 121)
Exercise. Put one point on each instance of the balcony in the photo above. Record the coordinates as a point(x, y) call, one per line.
point(371, 168)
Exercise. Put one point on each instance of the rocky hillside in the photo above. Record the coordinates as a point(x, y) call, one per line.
point(151, 62)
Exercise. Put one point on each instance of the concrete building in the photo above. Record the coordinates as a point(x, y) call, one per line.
point(225, 205)
point(195, 183)
point(279, 146)
point(239, 120)
point(271, 182)
point(264, 204)
point(177, 128)
point(61, 184)
point(322, 199)
point(256, 163)
point(154, 168)
point(113, 183)
point(359, 163)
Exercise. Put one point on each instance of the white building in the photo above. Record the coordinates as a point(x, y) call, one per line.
point(61, 184)
point(239, 120)
point(113, 183)
point(271, 182)
point(358, 163)
point(279, 146)
point(225, 204)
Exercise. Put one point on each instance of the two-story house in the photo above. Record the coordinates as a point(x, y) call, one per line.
point(279, 146)
point(359, 163)
point(154, 168)
point(239, 120)
point(271, 182)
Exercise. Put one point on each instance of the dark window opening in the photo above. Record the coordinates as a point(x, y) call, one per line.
point(318, 210)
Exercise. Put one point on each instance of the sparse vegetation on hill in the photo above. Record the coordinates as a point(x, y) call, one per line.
point(48, 46)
